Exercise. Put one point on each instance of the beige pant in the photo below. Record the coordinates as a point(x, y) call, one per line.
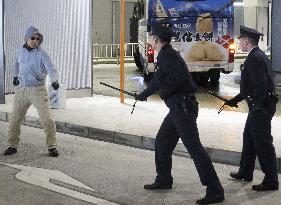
point(38, 97)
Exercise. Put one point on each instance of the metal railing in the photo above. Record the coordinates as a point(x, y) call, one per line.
point(112, 51)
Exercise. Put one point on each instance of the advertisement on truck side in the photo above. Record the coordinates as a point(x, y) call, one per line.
point(204, 31)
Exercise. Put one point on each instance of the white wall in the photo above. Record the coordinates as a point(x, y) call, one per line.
point(106, 20)
point(256, 14)
point(102, 21)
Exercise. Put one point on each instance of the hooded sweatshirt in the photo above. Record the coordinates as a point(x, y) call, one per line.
point(30, 32)
point(32, 67)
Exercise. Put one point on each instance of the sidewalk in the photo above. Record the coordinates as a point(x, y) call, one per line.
point(105, 118)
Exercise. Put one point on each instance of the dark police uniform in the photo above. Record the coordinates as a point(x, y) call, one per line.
point(176, 87)
point(257, 88)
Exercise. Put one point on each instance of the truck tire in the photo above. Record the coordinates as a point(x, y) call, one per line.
point(214, 81)
point(204, 78)
point(214, 77)
point(137, 59)
point(200, 78)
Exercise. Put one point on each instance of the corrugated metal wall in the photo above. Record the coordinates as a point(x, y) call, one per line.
point(66, 26)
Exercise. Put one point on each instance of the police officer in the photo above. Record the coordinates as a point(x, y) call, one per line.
point(258, 89)
point(31, 67)
point(176, 87)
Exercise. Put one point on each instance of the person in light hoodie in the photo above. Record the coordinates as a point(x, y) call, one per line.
point(31, 67)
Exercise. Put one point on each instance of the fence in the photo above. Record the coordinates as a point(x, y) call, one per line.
point(112, 51)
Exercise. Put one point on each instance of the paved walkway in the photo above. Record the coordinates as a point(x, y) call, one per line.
point(105, 118)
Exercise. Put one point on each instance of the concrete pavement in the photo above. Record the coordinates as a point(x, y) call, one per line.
point(105, 118)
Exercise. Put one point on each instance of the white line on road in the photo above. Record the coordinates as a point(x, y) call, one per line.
point(41, 177)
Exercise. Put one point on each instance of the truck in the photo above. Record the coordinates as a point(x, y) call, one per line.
point(204, 36)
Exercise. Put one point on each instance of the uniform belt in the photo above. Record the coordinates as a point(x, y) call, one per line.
point(269, 95)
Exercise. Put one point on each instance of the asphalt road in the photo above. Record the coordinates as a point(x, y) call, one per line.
point(116, 174)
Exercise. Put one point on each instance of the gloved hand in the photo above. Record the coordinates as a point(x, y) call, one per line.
point(16, 81)
point(231, 102)
point(55, 85)
point(140, 97)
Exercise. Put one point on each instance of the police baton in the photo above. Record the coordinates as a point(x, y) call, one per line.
point(216, 96)
point(123, 91)
point(219, 97)
point(115, 88)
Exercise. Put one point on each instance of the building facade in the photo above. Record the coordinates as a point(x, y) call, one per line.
point(257, 14)
point(106, 20)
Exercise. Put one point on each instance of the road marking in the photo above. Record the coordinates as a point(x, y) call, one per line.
point(41, 177)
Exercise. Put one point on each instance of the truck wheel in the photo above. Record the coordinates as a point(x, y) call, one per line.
point(137, 59)
point(204, 79)
point(214, 78)
point(214, 81)
point(150, 76)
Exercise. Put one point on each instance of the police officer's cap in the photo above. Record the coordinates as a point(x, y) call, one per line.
point(250, 33)
point(163, 32)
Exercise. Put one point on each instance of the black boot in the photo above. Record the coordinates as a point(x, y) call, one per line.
point(10, 151)
point(265, 187)
point(211, 199)
point(239, 176)
point(53, 152)
point(157, 185)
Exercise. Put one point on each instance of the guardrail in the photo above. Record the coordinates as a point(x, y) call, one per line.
point(112, 51)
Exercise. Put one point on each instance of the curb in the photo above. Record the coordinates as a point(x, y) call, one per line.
point(142, 142)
